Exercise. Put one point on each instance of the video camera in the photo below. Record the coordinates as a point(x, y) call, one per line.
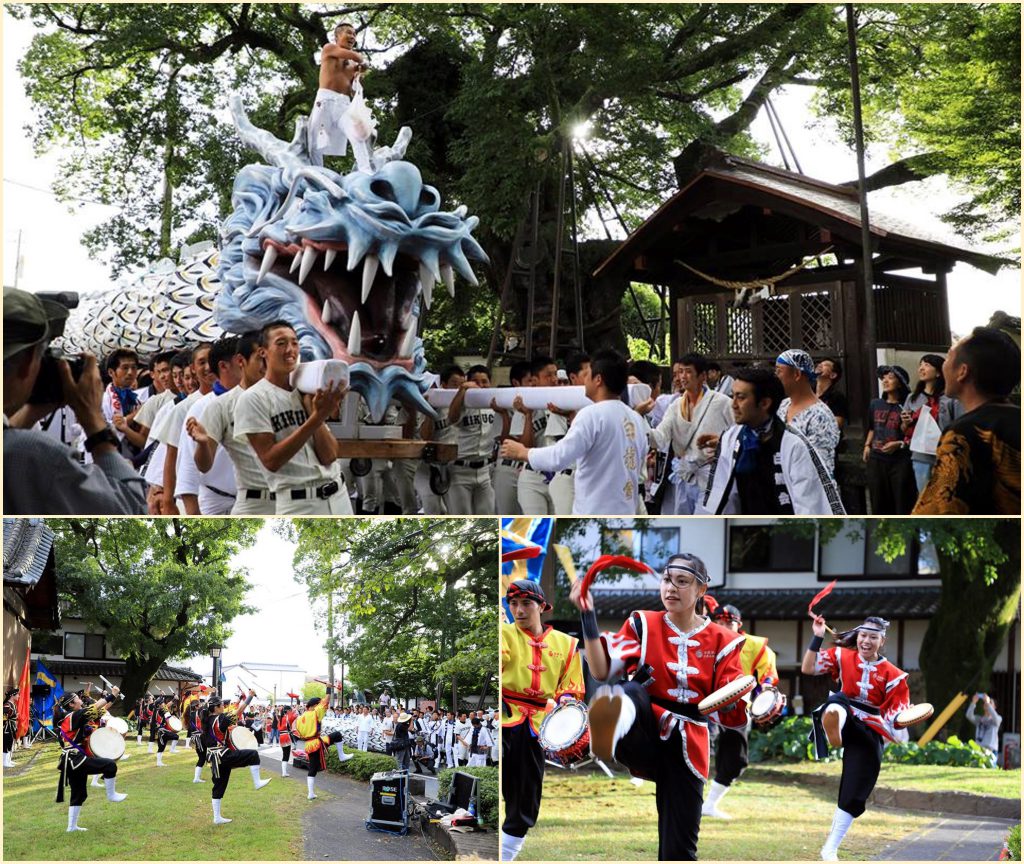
point(47, 389)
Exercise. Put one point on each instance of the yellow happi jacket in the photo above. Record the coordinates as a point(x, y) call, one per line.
point(758, 659)
point(534, 671)
point(307, 727)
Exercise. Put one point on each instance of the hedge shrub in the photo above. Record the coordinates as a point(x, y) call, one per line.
point(363, 766)
point(487, 787)
point(953, 752)
point(1012, 845)
point(785, 742)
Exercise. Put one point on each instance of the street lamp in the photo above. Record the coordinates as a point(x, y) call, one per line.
point(215, 652)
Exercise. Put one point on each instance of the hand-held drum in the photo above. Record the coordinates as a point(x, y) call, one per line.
point(565, 735)
point(913, 715)
point(173, 723)
point(241, 738)
point(767, 706)
point(723, 697)
point(105, 743)
point(118, 724)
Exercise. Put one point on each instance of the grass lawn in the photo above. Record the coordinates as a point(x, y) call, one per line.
point(924, 778)
point(590, 818)
point(165, 817)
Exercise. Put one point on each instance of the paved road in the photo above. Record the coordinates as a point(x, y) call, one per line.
point(959, 838)
point(334, 827)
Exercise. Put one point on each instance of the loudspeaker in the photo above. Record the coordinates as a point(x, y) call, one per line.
point(463, 790)
point(389, 796)
point(41, 691)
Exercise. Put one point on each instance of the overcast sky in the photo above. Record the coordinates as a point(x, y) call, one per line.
point(281, 631)
point(53, 258)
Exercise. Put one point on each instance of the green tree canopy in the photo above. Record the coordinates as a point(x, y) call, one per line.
point(159, 589)
point(134, 95)
point(413, 602)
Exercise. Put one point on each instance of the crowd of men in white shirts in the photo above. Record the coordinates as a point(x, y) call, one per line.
point(220, 429)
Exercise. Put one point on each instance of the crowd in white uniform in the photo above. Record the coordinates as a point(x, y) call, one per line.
point(227, 433)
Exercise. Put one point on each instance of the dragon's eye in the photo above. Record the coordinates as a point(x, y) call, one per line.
point(383, 189)
point(429, 197)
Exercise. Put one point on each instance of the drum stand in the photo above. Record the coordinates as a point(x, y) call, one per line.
point(577, 765)
point(43, 732)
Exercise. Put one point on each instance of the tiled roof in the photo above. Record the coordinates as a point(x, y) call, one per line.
point(838, 202)
point(789, 604)
point(98, 667)
point(27, 546)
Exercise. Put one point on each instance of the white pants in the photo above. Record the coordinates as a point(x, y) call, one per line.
point(688, 496)
point(403, 475)
point(478, 760)
point(470, 493)
point(449, 755)
point(254, 506)
point(363, 741)
point(506, 480)
point(337, 505)
point(213, 503)
point(432, 503)
point(563, 493)
point(535, 495)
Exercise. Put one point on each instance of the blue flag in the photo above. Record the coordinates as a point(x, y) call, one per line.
point(43, 705)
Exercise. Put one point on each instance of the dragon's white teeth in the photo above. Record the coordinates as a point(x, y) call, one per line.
point(296, 261)
point(329, 257)
point(408, 342)
point(355, 336)
point(370, 264)
point(449, 278)
point(326, 313)
point(428, 292)
point(269, 257)
point(308, 260)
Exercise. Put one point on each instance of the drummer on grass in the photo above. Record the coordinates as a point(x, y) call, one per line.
point(75, 726)
point(307, 729)
point(757, 659)
point(651, 724)
point(857, 717)
point(217, 722)
point(164, 722)
point(539, 666)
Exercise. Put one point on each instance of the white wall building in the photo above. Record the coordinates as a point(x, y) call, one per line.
point(771, 578)
point(269, 680)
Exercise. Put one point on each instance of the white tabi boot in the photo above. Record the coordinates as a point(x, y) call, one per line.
point(95, 780)
point(174, 746)
point(217, 818)
point(342, 756)
point(284, 769)
point(73, 819)
point(310, 788)
point(151, 746)
point(510, 846)
point(257, 783)
point(112, 793)
point(160, 760)
point(841, 822)
point(198, 776)
point(710, 807)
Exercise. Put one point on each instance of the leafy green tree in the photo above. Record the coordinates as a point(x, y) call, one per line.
point(313, 690)
point(408, 595)
point(495, 94)
point(158, 588)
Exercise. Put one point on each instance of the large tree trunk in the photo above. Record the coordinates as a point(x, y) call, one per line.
point(137, 676)
point(970, 627)
point(484, 690)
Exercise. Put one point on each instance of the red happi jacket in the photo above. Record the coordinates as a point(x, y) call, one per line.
point(877, 683)
point(687, 667)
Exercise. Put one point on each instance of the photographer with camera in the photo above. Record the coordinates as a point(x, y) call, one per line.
point(35, 384)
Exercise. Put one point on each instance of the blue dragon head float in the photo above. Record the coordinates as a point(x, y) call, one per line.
point(350, 261)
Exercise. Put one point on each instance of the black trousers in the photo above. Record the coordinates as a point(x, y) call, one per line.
point(200, 752)
point(163, 738)
point(679, 793)
point(731, 755)
point(891, 486)
point(77, 777)
point(318, 760)
point(152, 733)
point(286, 750)
point(862, 760)
point(8, 741)
point(522, 780)
point(232, 759)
